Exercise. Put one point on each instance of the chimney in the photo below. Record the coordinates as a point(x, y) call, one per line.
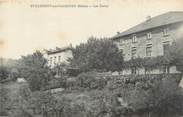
point(57, 48)
point(148, 18)
point(70, 45)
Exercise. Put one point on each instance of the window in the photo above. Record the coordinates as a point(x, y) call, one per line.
point(166, 46)
point(59, 58)
point(122, 41)
point(165, 31)
point(165, 69)
point(55, 60)
point(148, 70)
point(50, 60)
point(134, 52)
point(134, 39)
point(118, 40)
point(149, 50)
point(149, 35)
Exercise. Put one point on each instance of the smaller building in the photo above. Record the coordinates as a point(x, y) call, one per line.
point(58, 56)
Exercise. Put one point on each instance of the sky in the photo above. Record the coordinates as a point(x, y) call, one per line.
point(24, 29)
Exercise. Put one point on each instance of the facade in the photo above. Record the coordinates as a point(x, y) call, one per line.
point(150, 38)
point(58, 56)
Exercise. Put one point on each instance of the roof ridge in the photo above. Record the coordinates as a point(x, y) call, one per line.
point(156, 21)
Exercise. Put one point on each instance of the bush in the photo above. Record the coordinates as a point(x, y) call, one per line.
point(97, 54)
point(156, 94)
point(3, 72)
point(89, 81)
point(35, 70)
point(141, 94)
point(20, 112)
point(167, 98)
point(162, 98)
point(4, 101)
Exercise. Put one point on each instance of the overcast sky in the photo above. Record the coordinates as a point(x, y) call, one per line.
point(24, 29)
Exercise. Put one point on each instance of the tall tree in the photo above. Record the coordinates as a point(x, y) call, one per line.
point(97, 54)
point(35, 70)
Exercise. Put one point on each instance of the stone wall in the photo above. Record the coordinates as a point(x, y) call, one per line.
point(142, 71)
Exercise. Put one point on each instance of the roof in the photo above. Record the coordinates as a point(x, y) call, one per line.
point(160, 20)
point(58, 50)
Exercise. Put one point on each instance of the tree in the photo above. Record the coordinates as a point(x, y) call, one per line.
point(34, 69)
point(166, 98)
point(162, 98)
point(3, 72)
point(175, 54)
point(8, 69)
point(97, 54)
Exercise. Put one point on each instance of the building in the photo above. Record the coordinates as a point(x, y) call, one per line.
point(150, 38)
point(58, 56)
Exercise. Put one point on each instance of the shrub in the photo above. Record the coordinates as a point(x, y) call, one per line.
point(156, 94)
point(97, 54)
point(20, 112)
point(4, 101)
point(34, 69)
point(3, 72)
point(89, 81)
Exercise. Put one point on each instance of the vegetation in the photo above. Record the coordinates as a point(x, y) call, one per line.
point(8, 69)
point(3, 73)
point(152, 97)
point(89, 95)
point(89, 81)
point(35, 70)
point(175, 54)
point(153, 62)
point(97, 54)
point(3, 101)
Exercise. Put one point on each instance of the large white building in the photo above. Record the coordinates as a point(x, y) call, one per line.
point(58, 56)
point(150, 38)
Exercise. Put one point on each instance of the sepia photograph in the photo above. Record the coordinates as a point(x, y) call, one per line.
point(91, 58)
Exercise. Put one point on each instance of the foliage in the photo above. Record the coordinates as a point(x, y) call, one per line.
point(153, 62)
point(167, 98)
point(155, 94)
point(3, 73)
point(8, 69)
point(140, 94)
point(43, 102)
point(175, 53)
point(20, 113)
point(89, 81)
point(33, 68)
point(14, 100)
point(118, 97)
point(159, 97)
point(4, 101)
point(99, 54)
